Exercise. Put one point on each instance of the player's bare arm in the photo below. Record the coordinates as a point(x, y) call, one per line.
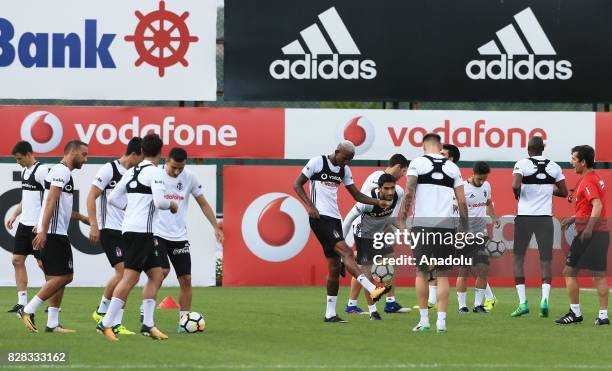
point(517, 180)
point(94, 231)
point(298, 187)
point(491, 214)
point(407, 201)
point(13, 217)
point(463, 212)
point(41, 234)
point(360, 197)
point(561, 189)
point(210, 215)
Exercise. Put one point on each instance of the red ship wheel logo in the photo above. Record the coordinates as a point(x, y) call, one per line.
point(151, 34)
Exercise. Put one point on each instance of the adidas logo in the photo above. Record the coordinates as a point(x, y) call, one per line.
point(507, 67)
point(314, 39)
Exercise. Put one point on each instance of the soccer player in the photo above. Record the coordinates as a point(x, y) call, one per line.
point(432, 181)
point(589, 249)
point(398, 165)
point(170, 229)
point(326, 173)
point(478, 200)
point(372, 220)
point(535, 181)
point(32, 189)
point(105, 221)
point(140, 192)
point(52, 238)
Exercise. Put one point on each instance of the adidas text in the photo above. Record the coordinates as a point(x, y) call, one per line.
point(327, 69)
point(524, 69)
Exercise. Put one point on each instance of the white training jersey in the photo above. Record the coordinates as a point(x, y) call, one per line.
point(173, 227)
point(109, 175)
point(59, 176)
point(539, 178)
point(32, 192)
point(140, 193)
point(437, 179)
point(476, 200)
point(325, 178)
point(371, 183)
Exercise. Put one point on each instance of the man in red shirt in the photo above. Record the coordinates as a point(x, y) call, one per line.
point(589, 249)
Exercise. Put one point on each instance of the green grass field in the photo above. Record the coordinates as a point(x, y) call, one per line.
point(282, 328)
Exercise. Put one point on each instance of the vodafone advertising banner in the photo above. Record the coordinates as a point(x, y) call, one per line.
point(203, 132)
point(269, 242)
point(480, 135)
point(110, 50)
point(91, 267)
point(276, 133)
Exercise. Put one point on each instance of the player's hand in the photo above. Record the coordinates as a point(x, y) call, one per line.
point(10, 222)
point(313, 213)
point(383, 204)
point(173, 207)
point(94, 234)
point(219, 234)
point(496, 222)
point(566, 222)
point(586, 235)
point(39, 241)
point(83, 219)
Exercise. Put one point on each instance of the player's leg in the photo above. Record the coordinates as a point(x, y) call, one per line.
point(352, 305)
point(422, 289)
point(481, 271)
point(603, 291)
point(443, 291)
point(21, 282)
point(179, 255)
point(597, 263)
point(461, 287)
point(333, 286)
point(544, 233)
point(111, 244)
point(149, 297)
point(433, 292)
point(522, 236)
point(55, 305)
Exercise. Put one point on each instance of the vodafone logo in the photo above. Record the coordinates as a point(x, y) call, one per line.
point(43, 130)
point(275, 227)
point(360, 131)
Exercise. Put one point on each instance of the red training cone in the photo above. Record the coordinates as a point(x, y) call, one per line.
point(168, 303)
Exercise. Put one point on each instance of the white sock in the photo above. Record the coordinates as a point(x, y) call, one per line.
point(352, 303)
point(441, 322)
point(114, 309)
point(603, 313)
point(390, 299)
point(576, 309)
point(520, 290)
point(461, 299)
point(545, 291)
point(118, 318)
point(182, 313)
point(33, 305)
point(22, 297)
point(424, 316)
point(372, 308)
point(489, 292)
point(433, 294)
point(148, 307)
point(53, 317)
point(330, 311)
point(478, 297)
point(365, 282)
point(103, 307)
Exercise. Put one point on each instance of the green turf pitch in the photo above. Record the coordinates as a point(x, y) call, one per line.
point(282, 328)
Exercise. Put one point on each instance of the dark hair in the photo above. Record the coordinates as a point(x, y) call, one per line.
point(398, 159)
point(453, 152)
point(536, 145)
point(585, 153)
point(152, 145)
point(386, 178)
point(178, 154)
point(432, 136)
point(481, 168)
point(134, 146)
point(72, 145)
point(22, 147)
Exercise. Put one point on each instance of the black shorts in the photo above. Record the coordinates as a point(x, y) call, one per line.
point(112, 243)
point(526, 226)
point(476, 251)
point(433, 246)
point(140, 252)
point(592, 254)
point(23, 241)
point(178, 252)
point(329, 232)
point(56, 256)
point(366, 250)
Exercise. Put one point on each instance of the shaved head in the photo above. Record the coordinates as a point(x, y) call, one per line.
point(535, 146)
